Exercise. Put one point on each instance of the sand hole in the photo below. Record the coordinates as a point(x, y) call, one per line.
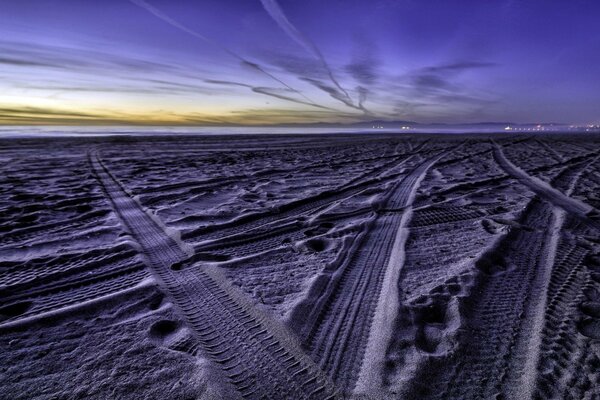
point(489, 226)
point(501, 209)
point(429, 338)
point(434, 313)
point(161, 330)
point(177, 266)
point(492, 264)
point(454, 288)
point(317, 245)
point(438, 289)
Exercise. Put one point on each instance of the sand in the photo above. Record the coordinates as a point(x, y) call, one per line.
point(300, 266)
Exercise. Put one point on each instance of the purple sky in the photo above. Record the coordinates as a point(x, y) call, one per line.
point(267, 61)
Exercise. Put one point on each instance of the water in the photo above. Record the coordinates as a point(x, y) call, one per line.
point(77, 131)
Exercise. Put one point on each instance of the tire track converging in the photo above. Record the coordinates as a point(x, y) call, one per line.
point(253, 239)
point(563, 283)
point(381, 330)
point(546, 191)
point(298, 207)
point(566, 358)
point(334, 321)
point(505, 310)
point(258, 357)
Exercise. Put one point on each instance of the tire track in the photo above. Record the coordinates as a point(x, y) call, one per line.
point(438, 215)
point(16, 277)
point(558, 157)
point(258, 357)
point(504, 312)
point(293, 209)
point(269, 234)
point(83, 221)
point(380, 333)
point(503, 179)
point(334, 321)
point(34, 304)
point(566, 357)
point(547, 192)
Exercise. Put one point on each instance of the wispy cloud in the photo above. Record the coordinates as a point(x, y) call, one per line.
point(23, 62)
point(273, 8)
point(51, 70)
point(47, 115)
point(14, 111)
point(74, 59)
point(283, 94)
point(59, 73)
point(364, 67)
point(55, 116)
point(250, 64)
point(459, 66)
point(440, 83)
point(290, 116)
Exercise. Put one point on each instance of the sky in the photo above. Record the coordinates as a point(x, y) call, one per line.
point(261, 62)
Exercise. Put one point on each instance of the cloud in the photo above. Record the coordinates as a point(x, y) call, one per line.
point(439, 82)
point(362, 71)
point(273, 8)
point(23, 62)
point(430, 82)
point(276, 12)
point(16, 111)
point(288, 116)
point(362, 95)
point(72, 69)
point(310, 71)
point(283, 94)
point(252, 65)
point(460, 66)
point(51, 116)
point(30, 54)
point(365, 61)
point(54, 116)
point(146, 86)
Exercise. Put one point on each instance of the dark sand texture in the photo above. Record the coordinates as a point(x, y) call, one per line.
point(300, 267)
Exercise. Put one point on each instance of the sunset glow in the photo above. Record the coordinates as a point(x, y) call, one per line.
point(265, 62)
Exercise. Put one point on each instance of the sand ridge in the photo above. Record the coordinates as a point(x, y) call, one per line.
point(347, 266)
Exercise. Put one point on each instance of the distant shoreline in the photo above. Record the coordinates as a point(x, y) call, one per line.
point(53, 131)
